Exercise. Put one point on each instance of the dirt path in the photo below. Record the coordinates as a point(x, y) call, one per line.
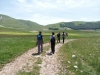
point(50, 64)
point(13, 67)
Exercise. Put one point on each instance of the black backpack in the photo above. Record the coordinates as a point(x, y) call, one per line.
point(53, 39)
point(63, 35)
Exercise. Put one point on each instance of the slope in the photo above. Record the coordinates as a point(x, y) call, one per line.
point(75, 25)
point(8, 22)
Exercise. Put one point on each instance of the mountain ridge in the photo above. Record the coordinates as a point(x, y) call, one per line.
point(9, 22)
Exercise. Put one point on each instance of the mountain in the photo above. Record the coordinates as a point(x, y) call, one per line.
point(26, 25)
point(75, 25)
point(9, 22)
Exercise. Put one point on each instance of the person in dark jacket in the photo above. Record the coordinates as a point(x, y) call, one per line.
point(58, 37)
point(63, 36)
point(52, 41)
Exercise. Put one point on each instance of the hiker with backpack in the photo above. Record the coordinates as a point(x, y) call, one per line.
point(63, 36)
point(40, 42)
point(58, 37)
point(66, 34)
point(52, 41)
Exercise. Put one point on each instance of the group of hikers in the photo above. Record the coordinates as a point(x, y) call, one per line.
point(40, 41)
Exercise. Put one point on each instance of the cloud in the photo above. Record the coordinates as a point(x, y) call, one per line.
point(42, 19)
point(84, 19)
point(23, 6)
point(53, 11)
point(21, 1)
point(43, 5)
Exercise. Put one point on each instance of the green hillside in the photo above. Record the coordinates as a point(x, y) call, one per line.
point(2, 30)
point(8, 22)
point(26, 25)
point(30, 25)
point(75, 25)
point(57, 25)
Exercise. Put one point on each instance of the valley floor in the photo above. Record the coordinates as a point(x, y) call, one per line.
point(49, 66)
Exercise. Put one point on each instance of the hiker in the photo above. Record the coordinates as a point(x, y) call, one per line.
point(63, 36)
point(52, 41)
point(66, 34)
point(58, 37)
point(40, 42)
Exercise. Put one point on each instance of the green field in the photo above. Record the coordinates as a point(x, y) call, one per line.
point(85, 48)
point(12, 46)
point(81, 57)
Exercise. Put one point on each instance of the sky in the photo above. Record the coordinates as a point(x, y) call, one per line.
point(51, 11)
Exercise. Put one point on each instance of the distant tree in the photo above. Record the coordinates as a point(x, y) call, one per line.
point(53, 28)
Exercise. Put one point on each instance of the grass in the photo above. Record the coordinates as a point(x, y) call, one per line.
point(12, 46)
point(81, 57)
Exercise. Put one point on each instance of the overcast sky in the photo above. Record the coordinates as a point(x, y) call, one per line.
point(51, 11)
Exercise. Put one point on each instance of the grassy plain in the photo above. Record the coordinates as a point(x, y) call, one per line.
point(13, 44)
point(81, 56)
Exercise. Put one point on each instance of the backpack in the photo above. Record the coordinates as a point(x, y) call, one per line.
point(53, 39)
point(63, 35)
point(39, 37)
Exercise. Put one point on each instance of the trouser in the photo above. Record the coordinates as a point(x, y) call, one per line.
point(63, 39)
point(52, 47)
point(58, 39)
point(40, 46)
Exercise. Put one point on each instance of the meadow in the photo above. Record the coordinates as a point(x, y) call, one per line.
point(81, 56)
point(85, 50)
point(12, 46)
